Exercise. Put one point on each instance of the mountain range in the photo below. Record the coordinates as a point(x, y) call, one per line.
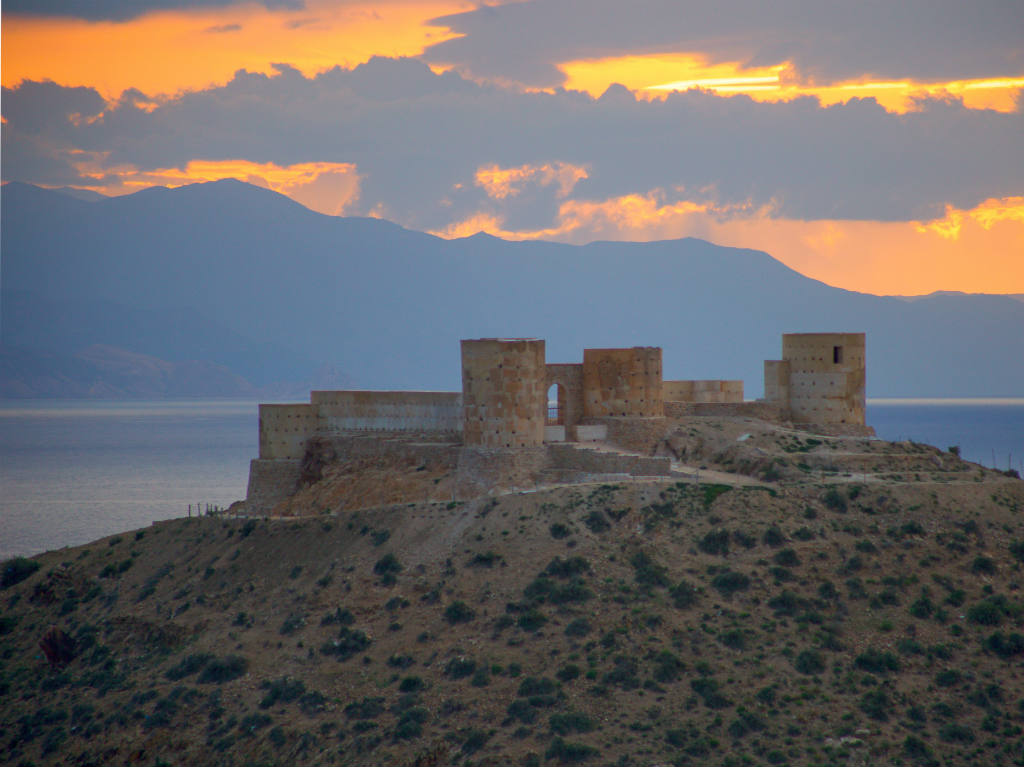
point(250, 290)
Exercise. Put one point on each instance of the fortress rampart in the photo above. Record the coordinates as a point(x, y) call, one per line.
point(513, 404)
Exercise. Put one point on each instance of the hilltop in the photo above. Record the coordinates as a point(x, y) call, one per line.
point(804, 599)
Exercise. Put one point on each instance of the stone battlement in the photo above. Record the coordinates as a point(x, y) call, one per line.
point(513, 400)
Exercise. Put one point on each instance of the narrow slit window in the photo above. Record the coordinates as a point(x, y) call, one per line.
point(837, 354)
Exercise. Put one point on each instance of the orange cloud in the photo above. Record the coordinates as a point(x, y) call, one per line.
point(168, 52)
point(657, 75)
point(326, 187)
point(908, 258)
point(500, 183)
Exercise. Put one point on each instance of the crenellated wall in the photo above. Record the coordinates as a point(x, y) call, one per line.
point(398, 411)
point(622, 382)
point(703, 391)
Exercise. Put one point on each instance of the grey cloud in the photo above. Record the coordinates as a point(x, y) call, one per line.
point(921, 39)
point(222, 28)
point(418, 139)
point(122, 10)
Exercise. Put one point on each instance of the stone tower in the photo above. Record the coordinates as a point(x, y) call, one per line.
point(504, 392)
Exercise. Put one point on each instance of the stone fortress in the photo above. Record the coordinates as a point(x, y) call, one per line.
point(605, 416)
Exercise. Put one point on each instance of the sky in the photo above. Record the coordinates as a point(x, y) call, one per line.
point(876, 146)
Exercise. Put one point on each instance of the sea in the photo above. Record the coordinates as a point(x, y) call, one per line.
point(75, 471)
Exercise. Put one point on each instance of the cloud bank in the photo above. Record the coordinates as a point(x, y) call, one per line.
point(825, 42)
point(434, 149)
point(123, 10)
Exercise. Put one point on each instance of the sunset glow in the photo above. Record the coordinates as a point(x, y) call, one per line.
point(168, 52)
point(979, 250)
point(325, 187)
point(657, 75)
point(496, 145)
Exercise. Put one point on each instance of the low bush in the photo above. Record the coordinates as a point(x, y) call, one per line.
point(729, 582)
point(220, 670)
point(459, 612)
point(16, 570)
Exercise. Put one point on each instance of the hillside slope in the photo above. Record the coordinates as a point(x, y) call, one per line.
point(833, 615)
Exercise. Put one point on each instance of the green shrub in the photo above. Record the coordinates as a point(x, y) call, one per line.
point(282, 690)
point(956, 733)
point(411, 684)
point(729, 582)
point(189, 665)
point(473, 741)
point(809, 662)
point(922, 608)
point(537, 685)
point(570, 722)
point(984, 565)
point(876, 704)
point(367, 708)
point(220, 670)
point(596, 522)
point(566, 568)
point(773, 537)
point(948, 678)
point(1017, 550)
point(579, 627)
point(348, 643)
point(568, 672)
point(667, 667)
point(989, 612)
point(459, 668)
point(834, 500)
point(292, 624)
point(531, 620)
point(1005, 645)
point(387, 567)
point(559, 531)
point(684, 595)
point(16, 570)
point(786, 558)
point(647, 572)
point(459, 612)
point(569, 753)
point(338, 618)
point(745, 722)
point(877, 661)
point(707, 689)
point(715, 542)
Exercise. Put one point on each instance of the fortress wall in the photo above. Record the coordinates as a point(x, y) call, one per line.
point(270, 482)
point(639, 435)
point(504, 392)
point(677, 410)
point(622, 382)
point(396, 411)
point(765, 411)
point(827, 376)
point(488, 471)
point(284, 430)
point(589, 461)
point(703, 391)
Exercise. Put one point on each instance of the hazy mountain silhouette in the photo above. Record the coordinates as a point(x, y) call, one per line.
point(243, 277)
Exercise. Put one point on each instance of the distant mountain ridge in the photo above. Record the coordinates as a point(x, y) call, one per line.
point(242, 277)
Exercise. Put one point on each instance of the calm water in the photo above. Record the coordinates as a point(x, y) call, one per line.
point(988, 431)
point(71, 472)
